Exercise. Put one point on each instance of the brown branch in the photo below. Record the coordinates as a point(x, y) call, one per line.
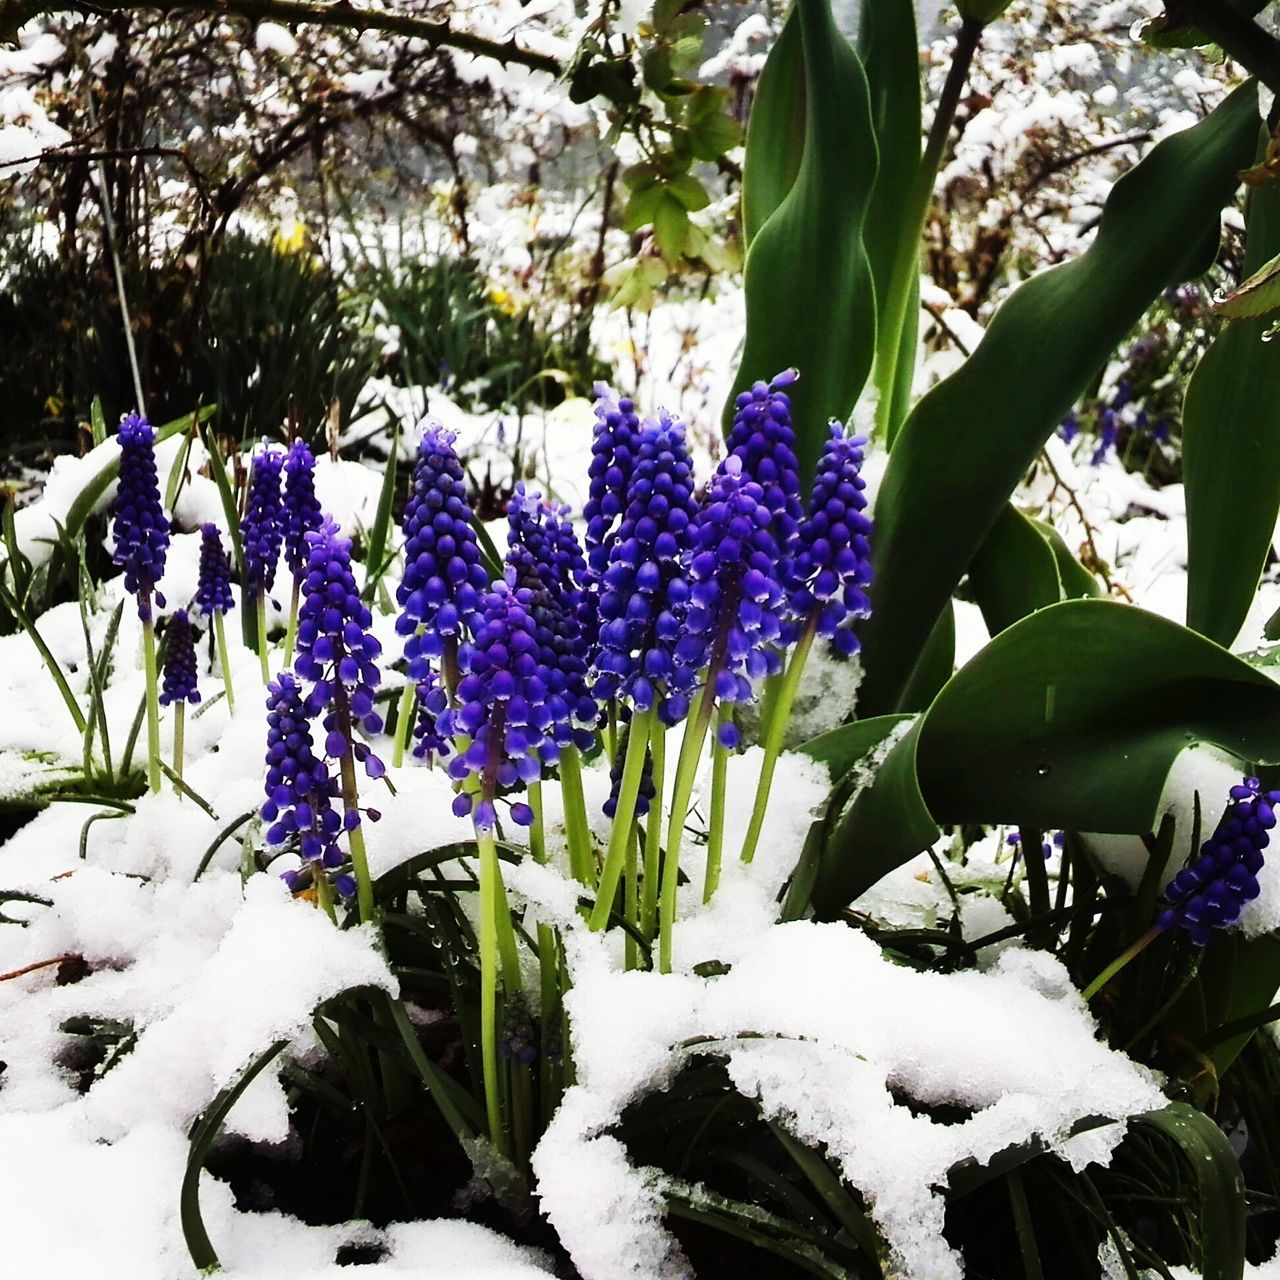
point(39, 964)
point(13, 13)
point(1099, 565)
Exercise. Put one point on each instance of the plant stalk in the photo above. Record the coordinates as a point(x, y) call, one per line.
point(715, 833)
point(179, 739)
point(153, 701)
point(224, 660)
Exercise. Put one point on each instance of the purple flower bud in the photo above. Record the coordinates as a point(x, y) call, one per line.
point(613, 457)
point(180, 679)
point(832, 565)
point(140, 532)
point(262, 528)
point(300, 512)
point(213, 587)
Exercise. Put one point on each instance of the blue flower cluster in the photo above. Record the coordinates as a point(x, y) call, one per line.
point(336, 650)
point(300, 787)
point(140, 532)
point(648, 789)
point(300, 510)
point(832, 565)
point(1211, 892)
point(733, 621)
point(644, 588)
point(762, 435)
point(505, 706)
point(213, 582)
point(443, 576)
point(613, 458)
point(180, 679)
point(433, 701)
point(262, 527)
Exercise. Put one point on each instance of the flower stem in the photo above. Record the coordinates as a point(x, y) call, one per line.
point(548, 968)
point(221, 632)
point(715, 833)
point(324, 894)
point(631, 898)
point(577, 832)
point(489, 982)
point(1120, 961)
point(179, 740)
point(404, 722)
point(695, 734)
point(615, 857)
point(261, 606)
point(351, 804)
point(775, 733)
point(291, 628)
point(653, 835)
point(153, 702)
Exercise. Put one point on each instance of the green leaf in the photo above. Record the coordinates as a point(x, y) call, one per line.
point(375, 556)
point(889, 47)
point(1219, 1180)
point(1014, 572)
point(97, 423)
point(206, 1129)
point(806, 275)
point(840, 749)
point(1069, 719)
point(670, 226)
point(775, 130)
point(1230, 439)
point(690, 192)
point(642, 207)
point(966, 446)
point(713, 135)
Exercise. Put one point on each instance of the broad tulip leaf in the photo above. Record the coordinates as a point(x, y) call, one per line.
point(810, 304)
point(889, 47)
point(775, 130)
point(1230, 439)
point(1071, 718)
point(965, 447)
point(1023, 566)
point(840, 749)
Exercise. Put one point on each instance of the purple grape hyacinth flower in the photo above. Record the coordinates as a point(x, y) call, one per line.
point(336, 650)
point(262, 528)
point(180, 680)
point(832, 566)
point(613, 458)
point(299, 785)
point(433, 701)
point(644, 590)
point(443, 576)
point(140, 532)
point(213, 583)
point(762, 435)
point(505, 706)
point(300, 509)
point(733, 622)
point(1211, 892)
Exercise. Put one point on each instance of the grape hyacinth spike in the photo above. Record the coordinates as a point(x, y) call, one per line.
point(1211, 892)
point(140, 531)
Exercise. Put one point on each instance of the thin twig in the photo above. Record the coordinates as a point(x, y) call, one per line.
point(39, 964)
point(1099, 565)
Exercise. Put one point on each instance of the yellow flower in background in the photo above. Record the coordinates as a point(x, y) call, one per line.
point(291, 236)
point(502, 299)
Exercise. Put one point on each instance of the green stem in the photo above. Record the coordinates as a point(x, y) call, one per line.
point(715, 834)
point(324, 893)
point(489, 981)
point(179, 739)
point(775, 733)
point(631, 898)
point(906, 260)
point(351, 804)
point(291, 627)
point(548, 967)
point(404, 722)
point(221, 633)
point(261, 606)
point(1120, 961)
point(615, 856)
point(577, 832)
point(153, 702)
point(653, 835)
point(695, 734)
